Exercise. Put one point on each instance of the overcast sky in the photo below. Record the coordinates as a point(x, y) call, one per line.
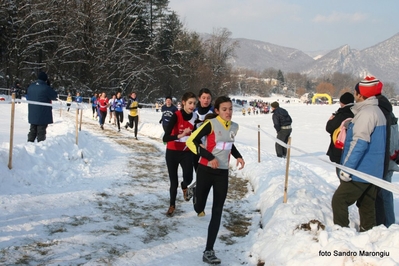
point(302, 24)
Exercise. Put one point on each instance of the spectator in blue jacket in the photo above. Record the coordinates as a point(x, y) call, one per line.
point(39, 116)
point(364, 151)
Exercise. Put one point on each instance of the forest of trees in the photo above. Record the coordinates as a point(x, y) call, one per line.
point(139, 45)
point(109, 45)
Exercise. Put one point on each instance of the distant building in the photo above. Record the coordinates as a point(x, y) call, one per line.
point(270, 81)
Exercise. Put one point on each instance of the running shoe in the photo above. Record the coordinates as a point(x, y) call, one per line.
point(190, 192)
point(210, 258)
point(170, 211)
point(185, 194)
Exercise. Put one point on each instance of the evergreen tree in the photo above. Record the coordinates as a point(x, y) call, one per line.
point(280, 76)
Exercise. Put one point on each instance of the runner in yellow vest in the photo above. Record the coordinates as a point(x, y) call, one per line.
point(69, 100)
point(133, 106)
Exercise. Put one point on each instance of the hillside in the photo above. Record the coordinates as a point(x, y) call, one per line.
point(381, 60)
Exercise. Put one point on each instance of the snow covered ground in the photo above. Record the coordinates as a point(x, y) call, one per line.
point(102, 202)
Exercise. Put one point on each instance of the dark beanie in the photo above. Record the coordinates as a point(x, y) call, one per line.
point(347, 98)
point(42, 76)
point(274, 104)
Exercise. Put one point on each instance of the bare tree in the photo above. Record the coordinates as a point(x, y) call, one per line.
point(219, 49)
point(342, 81)
point(295, 80)
point(389, 90)
point(269, 73)
point(326, 87)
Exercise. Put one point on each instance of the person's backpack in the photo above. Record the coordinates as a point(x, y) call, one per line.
point(339, 134)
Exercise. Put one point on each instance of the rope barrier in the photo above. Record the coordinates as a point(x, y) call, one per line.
point(369, 178)
point(59, 104)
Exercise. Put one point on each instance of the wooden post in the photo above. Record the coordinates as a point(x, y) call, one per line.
point(287, 170)
point(80, 123)
point(11, 131)
point(77, 126)
point(258, 143)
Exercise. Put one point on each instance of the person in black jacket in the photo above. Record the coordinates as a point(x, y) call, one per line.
point(167, 110)
point(384, 203)
point(346, 101)
point(282, 123)
point(17, 90)
point(39, 116)
point(204, 107)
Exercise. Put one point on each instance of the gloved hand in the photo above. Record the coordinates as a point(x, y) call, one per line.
point(160, 121)
point(344, 176)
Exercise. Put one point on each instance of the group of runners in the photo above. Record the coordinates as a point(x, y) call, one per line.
point(199, 137)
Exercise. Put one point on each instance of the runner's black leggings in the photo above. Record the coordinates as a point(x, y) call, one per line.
point(119, 118)
point(173, 159)
point(134, 121)
point(206, 179)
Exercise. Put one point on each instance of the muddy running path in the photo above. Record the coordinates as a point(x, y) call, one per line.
point(127, 224)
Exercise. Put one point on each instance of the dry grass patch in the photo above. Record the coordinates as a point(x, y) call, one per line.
point(237, 220)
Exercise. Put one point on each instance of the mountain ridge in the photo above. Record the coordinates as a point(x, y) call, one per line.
point(380, 60)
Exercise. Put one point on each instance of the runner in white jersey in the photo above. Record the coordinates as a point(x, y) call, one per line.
point(203, 108)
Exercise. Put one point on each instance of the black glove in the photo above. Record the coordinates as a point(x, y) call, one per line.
point(160, 121)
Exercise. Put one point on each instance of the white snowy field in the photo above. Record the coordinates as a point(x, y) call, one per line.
point(102, 202)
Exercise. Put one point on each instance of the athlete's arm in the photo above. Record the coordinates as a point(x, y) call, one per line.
point(236, 154)
point(167, 136)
